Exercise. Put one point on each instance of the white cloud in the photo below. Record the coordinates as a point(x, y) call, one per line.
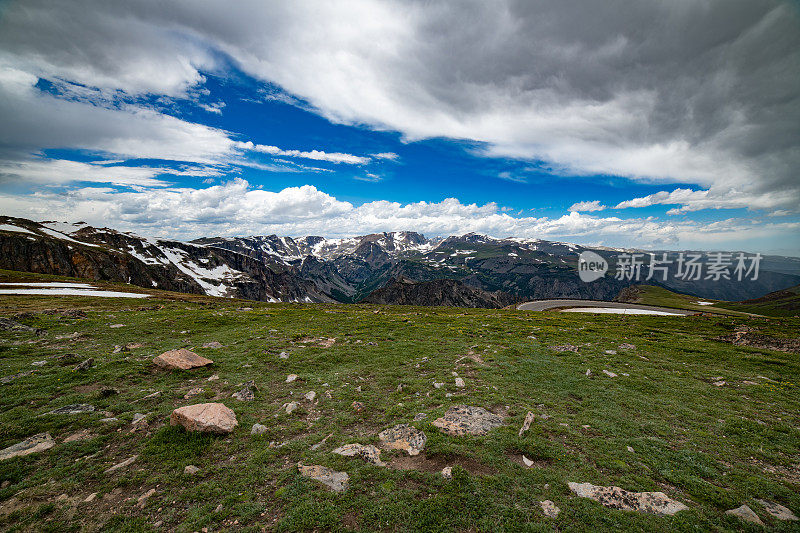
point(370, 177)
point(692, 200)
point(391, 156)
point(594, 205)
point(317, 155)
point(236, 208)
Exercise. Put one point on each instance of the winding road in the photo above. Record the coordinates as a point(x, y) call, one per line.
point(543, 305)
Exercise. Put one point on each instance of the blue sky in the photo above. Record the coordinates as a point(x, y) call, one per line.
point(213, 121)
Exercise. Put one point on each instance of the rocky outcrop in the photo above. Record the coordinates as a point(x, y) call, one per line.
point(335, 481)
point(35, 444)
point(403, 437)
point(467, 420)
point(446, 292)
point(181, 359)
point(617, 498)
point(205, 418)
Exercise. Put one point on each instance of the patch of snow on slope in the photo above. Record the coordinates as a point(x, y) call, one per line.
point(63, 237)
point(200, 274)
point(63, 291)
point(17, 229)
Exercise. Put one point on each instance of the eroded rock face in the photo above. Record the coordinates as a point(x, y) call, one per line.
point(181, 359)
point(336, 481)
point(467, 420)
point(205, 417)
point(368, 452)
point(777, 510)
point(403, 437)
point(37, 443)
point(617, 498)
point(745, 513)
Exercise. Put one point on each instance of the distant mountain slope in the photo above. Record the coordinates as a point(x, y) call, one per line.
point(779, 303)
point(446, 292)
point(345, 270)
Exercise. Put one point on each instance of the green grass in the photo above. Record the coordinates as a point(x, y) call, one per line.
point(661, 297)
point(785, 303)
point(713, 448)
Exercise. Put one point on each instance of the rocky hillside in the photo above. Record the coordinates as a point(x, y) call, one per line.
point(316, 269)
point(448, 292)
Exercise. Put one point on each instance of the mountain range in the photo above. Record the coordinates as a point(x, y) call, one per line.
point(489, 272)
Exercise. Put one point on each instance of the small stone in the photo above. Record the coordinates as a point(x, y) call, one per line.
point(90, 498)
point(205, 417)
point(215, 377)
point(247, 393)
point(467, 420)
point(138, 417)
point(745, 513)
point(258, 429)
point(142, 501)
point(5, 484)
point(123, 464)
point(403, 437)
point(109, 420)
point(527, 462)
point(437, 385)
point(588, 373)
point(400, 388)
point(357, 406)
point(190, 470)
point(37, 443)
point(777, 510)
point(181, 359)
point(73, 409)
point(719, 383)
point(617, 498)
point(611, 352)
point(291, 377)
point(420, 416)
point(79, 435)
point(39, 363)
point(549, 509)
point(115, 326)
point(86, 365)
point(627, 346)
point(609, 373)
point(310, 395)
point(368, 452)
point(291, 407)
point(283, 355)
point(218, 508)
point(447, 472)
point(336, 481)
point(460, 383)
point(526, 424)
point(193, 392)
point(158, 523)
point(319, 445)
point(212, 344)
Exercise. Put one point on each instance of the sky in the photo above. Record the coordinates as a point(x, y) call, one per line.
point(669, 124)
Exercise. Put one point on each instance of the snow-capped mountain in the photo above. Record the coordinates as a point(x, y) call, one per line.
point(316, 269)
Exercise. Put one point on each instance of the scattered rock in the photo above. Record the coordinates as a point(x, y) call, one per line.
point(777, 510)
point(212, 344)
point(181, 359)
point(190, 470)
point(90, 498)
point(248, 392)
point(205, 417)
point(318, 445)
point(526, 424)
point(310, 395)
point(609, 373)
point(109, 420)
point(588, 372)
point(34, 444)
point(460, 383)
point(745, 513)
point(368, 452)
point(192, 392)
point(142, 501)
point(74, 313)
point(467, 420)
point(627, 346)
point(630, 449)
point(549, 509)
point(80, 435)
point(527, 462)
point(12, 377)
point(719, 383)
point(258, 429)
point(617, 498)
point(437, 385)
point(403, 437)
point(215, 377)
point(39, 363)
point(123, 464)
point(6, 324)
point(611, 352)
point(336, 481)
point(447, 472)
point(357, 406)
point(291, 377)
point(420, 416)
point(86, 365)
point(73, 409)
point(138, 417)
point(564, 348)
point(290, 407)
point(115, 326)
point(283, 355)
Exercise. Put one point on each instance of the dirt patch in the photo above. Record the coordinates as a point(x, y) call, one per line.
point(762, 342)
point(434, 464)
point(86, 389)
